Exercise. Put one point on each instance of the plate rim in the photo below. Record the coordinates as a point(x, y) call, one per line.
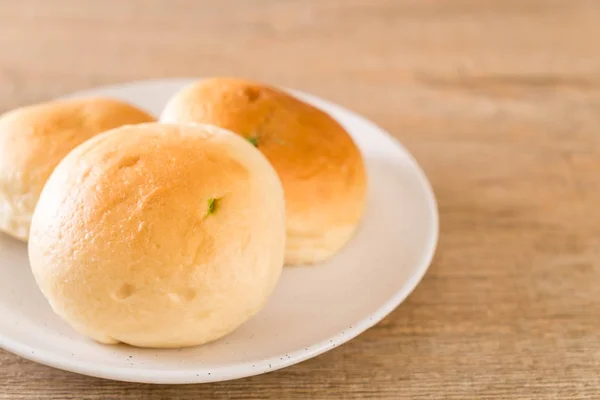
point(157, 376)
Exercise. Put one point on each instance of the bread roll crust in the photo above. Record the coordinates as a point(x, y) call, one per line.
point(34, 139)
point(159, 235)
point(321, 168)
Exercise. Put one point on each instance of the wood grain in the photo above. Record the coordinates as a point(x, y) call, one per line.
point(498, 100)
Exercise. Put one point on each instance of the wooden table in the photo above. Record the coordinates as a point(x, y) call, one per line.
point(498, 100)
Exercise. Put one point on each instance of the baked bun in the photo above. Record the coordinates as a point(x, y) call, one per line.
point(319, 165)
point(159, 235)
point(34, 139)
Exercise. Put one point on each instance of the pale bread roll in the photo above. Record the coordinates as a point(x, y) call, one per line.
point(159, 235)
point(34, 139)
point(321, 168)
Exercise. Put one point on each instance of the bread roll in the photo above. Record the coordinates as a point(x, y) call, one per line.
point(159, 235)
point(319, 165)
point(34, 139)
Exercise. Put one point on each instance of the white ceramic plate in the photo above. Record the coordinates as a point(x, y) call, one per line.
point(313, 309)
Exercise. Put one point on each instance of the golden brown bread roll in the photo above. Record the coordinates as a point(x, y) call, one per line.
point(159, 235)
point(34, 139)
point(319, 165)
